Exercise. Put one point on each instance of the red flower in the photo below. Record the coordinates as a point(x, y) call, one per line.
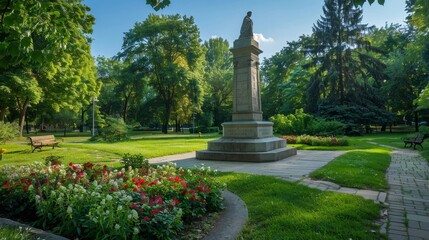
point(184, 184)
point(155, 211)
point(175, 202)
point(6, 185)
point(112, 189)
point(133, 205)
point(146, 218)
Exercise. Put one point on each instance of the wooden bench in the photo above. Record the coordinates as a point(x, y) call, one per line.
point(37, 142)
point(414, 141)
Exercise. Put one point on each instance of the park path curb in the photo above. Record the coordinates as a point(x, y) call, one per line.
point(232, 219)
point(35, 231)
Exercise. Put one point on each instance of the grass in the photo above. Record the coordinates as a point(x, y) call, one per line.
point(284, 210)
point(277, 209)
point(363, 169)
point(78, 149)
point(14, 233)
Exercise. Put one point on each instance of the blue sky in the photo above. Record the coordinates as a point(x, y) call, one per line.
point(278, 21)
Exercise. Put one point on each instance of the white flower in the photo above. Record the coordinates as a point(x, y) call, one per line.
point(136, 231)
point(134, 214)
point(69, 210)
point(117, 226)
point(120, 208)
point(108, 197)
point(71, 186)
point(95, 183)
point(103, 202)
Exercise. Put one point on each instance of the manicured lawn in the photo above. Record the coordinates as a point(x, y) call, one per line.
point(78, 149)
point(363, 169)
point(284, 210)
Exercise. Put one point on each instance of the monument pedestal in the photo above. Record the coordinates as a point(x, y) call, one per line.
point(247, 138)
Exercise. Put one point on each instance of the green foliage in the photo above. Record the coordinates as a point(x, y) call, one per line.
point(316, 141)
point(218, 74)
point(8, 131)
point(323, 127)
point(15, 233)
point(115, 130)
point(168, 48)
point(94, 202)
point(45, 55)
point(292, 124)
point(54, 160)
point(135, 161)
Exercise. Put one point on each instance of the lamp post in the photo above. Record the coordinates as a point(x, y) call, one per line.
point(94, 99)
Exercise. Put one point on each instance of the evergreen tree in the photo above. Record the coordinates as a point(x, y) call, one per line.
point(348, 74)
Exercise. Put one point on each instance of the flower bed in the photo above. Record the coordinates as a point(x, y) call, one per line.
point(315, 140)
point(93, 202)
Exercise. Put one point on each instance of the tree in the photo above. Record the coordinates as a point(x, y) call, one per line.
point(45, 54)
point(347, 69)
point(168, 48)
point(419, 18)
point(284, 80)
point(218, 76)
point(123, 84)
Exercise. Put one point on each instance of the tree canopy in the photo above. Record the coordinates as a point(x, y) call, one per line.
point(168, 48)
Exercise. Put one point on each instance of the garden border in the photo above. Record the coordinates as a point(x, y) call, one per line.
point(228, 226)
point(231, 220)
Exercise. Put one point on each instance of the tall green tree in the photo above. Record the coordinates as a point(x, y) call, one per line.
point(285, 80)
point(123, 85)
point(218, 76)
point(348, 72)
point(169, 49)
point(419, 18)
point(44, 48)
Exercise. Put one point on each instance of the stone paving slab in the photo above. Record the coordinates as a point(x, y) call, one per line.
point(292, 168)
point(408, 195)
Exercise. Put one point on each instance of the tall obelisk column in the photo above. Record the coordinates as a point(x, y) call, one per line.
point(247, 138)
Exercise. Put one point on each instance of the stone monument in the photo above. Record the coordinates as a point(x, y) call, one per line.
point(247, 138)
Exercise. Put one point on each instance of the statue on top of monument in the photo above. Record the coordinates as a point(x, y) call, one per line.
point(246, 30)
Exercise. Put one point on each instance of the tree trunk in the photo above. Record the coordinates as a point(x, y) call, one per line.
point(3, 114)
point(22, 107)
point(82, 119)
point(125, 110)
point(416, 120)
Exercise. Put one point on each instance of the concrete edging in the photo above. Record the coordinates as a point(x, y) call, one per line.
point(232, 219)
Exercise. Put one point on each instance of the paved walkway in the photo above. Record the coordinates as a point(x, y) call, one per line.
point(295, 169)
point(408, 177)
point(408, 196)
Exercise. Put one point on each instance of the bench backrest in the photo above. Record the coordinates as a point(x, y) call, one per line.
point(38, 139)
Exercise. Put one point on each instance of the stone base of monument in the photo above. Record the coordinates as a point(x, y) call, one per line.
point(250, 141)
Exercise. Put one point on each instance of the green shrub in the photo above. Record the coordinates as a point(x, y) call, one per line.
point(322, 127)
point(8, 131)
point(115, 130)
point(134, 161)
point(295, 124)
point(53, 159)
